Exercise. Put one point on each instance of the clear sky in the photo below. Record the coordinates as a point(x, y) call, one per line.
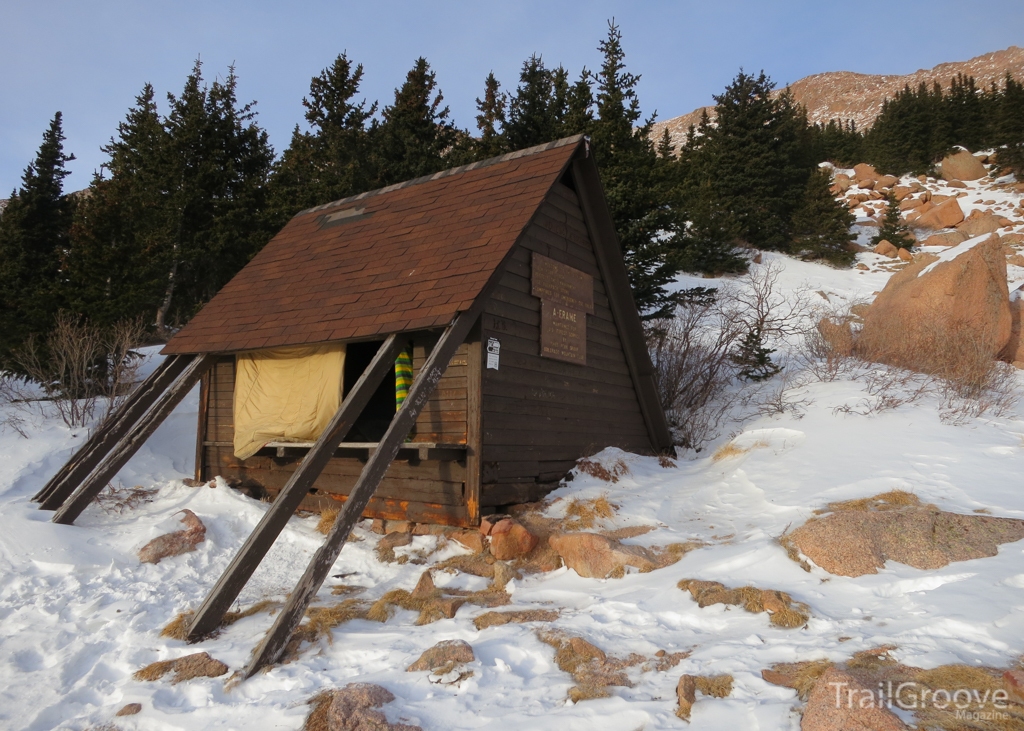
point(89, 58)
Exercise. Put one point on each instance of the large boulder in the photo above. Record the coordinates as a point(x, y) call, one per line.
point(353, 708)
point(949, 238)
point(836, 705)
point(510, 540)
point(592, 555)
point(863, 171)
point(962, 166)
point(945, 215)
point(1014, 350)
point(926, 316)
point(176, 543)
point(979, 223)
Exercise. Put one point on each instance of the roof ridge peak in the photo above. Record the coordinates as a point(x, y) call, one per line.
point(575, 139)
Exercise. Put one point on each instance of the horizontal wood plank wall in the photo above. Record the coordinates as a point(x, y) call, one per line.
point(430, 491)
point(540, 415)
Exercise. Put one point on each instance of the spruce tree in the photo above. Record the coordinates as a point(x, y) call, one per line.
point(892, 229)
point(34, 229)
point(711, 240)
point(332, 160)
point(1009, 128)
point(416, 133)
point(534, 110)
point(491, 120)
point(821, 226)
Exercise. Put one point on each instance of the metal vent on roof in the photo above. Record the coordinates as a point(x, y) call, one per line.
point(346, 215)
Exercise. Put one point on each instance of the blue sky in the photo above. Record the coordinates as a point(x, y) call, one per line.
point(90, 59)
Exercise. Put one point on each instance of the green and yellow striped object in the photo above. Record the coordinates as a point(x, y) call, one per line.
point(403, 375)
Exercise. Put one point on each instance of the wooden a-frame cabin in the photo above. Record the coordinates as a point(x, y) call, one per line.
point(501, 284)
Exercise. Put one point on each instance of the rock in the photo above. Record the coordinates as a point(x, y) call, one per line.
point(595, 556)
point(956, 184)
point(176, 543)
point(885, 249)
point(950, 238)
point(835, 705)
point(859, 542)
point(863, 267)
point(945, 215)
point(487, 523)
point(866, 184)
point(915, 317)
point(196, 665)
point(902, 192)
point(908, 203)
point(386, 546)
point(428, 529)
point(962, 166)
point(444, 652)
point(130, 710)
point(979, 223)
point(686, 694)
point(471, 539)
point(886, 181)
point(424, 587)
point(509, 540)
point(904, 255)
point(353, 707)
point(863, 171)
point(1013, 680)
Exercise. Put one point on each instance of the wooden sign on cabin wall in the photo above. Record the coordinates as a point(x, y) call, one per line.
point(566, 298)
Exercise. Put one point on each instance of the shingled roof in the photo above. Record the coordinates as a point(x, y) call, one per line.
point(406, 257)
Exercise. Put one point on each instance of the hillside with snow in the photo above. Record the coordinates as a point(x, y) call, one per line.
point(81, 615)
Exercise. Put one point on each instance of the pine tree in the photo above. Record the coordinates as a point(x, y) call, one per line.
point(711, 240)
point(753, 357)
point(491, 120)
point(534, 110)
point(332, 160)
point(821, 226)
point(113, 269)
point(638, 191)
point(892, 229)
point(34, 229)
point(416, 133)
point(1009, 128)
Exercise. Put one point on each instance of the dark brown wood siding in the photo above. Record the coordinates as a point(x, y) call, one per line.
point(540, 415)
point(430, 490)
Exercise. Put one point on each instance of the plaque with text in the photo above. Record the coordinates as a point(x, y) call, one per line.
point(566, 297)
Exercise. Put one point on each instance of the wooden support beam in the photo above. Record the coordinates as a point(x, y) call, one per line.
point(130, 443)
point(273, 644)
point(110, 432)
point(230, 584)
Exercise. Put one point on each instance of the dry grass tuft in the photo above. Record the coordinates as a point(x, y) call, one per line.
point(319, 623)
point(584, 514)
point(588, 665)
point(177, 628)
point(606, 474)
point(267, 605)
point(477, 564)
point(327, 517)
point(884, 501)
point(782, 610)
point(726, 451)
point(497, 619)
point(345, 589)
point(874, 659)
point(629, 531)
point(317, 718)
point(155, 670)
point(786, 541)
point(666, 462)
point(716, 686)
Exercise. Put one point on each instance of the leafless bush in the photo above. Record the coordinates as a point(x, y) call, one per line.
point(12, 416)
point(79, 364)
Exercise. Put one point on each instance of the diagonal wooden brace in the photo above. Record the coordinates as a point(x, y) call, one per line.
point(110, 432)
point(230, 584)
point(130, 443)
point(273, 644)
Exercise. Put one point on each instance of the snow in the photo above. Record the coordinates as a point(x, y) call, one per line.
point(79, 614)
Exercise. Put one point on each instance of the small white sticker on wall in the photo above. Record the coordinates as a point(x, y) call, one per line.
point(493, 351)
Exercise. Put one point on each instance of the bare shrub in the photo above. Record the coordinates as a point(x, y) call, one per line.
point(79, 364)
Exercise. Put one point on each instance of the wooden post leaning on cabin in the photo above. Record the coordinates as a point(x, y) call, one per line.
point(130, 443)
point(256, 546)
point(107, 435)
point(273, 644)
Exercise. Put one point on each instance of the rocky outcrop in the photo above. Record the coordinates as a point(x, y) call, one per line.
point(510, 540)
point(446, 652)
point(354, 708)
point(961, 165)
point(835, 705)
point(176, 543)
point(945, 215)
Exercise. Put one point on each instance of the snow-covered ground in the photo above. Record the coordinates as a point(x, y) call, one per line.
point(79, 614)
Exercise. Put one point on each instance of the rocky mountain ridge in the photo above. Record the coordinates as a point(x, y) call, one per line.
point(859, 97)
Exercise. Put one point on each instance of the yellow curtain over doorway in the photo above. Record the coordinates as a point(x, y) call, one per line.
point(286, 394)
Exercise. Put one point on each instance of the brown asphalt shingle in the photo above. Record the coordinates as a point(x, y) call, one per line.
point(422, 255)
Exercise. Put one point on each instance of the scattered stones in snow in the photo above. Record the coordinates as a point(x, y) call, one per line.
point(592, 555)
point(444, 653)
point(497, 619)
point(352, 708)
point(858, 537)
point(859, 693)
point(716, 686)
point(130, 709)
point(197, 665)
point(386, 546)
point(510, 540)
point(471, 539)
point(588, 665)
point(782, 610)
point(176, 543)
point(931, 321)
point(961, 166)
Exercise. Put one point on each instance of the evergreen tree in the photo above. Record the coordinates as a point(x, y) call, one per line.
point(534, 111)
point(892, 229)
point(753, 357)
point(34, 230)
point(332, 160)
point(637, 187)
point(416, 134)
point(1009, 128)
point(711, 241)
point(821, 226)
point(491, 120)
point(113, 269)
